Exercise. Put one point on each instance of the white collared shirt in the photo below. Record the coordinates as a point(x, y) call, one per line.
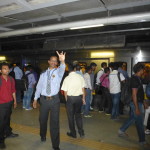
point(73, 84)
point(87, 79)
point(115, 86)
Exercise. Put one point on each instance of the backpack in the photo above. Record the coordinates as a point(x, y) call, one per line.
point(12, 73)
point(126, 92)
point(148, 90)
point(25, 82)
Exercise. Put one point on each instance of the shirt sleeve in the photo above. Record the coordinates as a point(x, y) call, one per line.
point(61, 70)
point(122, 77)
point(39, 87)
point(99, 74)
point(83, 82)
point(13, 89)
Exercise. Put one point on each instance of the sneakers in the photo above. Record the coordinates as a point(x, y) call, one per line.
point(29, 109)
point(87, 116)
point(147, 131)
point(122, 134)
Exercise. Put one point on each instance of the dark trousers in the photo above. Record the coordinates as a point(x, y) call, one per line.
point(73, 105)
point(148, 123)
point(107, 102)
point(5, 113)
point(52, 106)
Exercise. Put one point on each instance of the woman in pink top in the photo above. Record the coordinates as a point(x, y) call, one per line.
point(106, 104)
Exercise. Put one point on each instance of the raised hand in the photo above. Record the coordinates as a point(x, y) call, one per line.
point(61, 56)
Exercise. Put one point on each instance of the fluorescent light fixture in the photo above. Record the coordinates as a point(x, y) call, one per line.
point(90, 26)
point(102, 54)
point(38, 1)
point(139, 56)
point(2, 58)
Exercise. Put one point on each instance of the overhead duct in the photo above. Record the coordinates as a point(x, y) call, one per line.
point(86, 42)
point(124, 19)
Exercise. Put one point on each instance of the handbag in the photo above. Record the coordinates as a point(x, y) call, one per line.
point(99, 88)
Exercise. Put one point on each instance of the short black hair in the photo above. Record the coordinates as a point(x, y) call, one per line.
point(28, 67)
point(110, 64)
point(115, 66)
point(106, 69)
point(77, 67)
point(103, 64)
point(120, 64)
point(93, 64)
point(138, 67)
point(3, 64)
point(88, 68)
point(70, 67)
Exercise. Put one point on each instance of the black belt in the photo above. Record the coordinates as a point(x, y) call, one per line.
point(48, 97)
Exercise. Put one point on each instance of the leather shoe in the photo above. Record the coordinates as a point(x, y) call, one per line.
point(12, 135)
point(43, 139)
point(56, 148)
point(71, 135)
point(2, 146)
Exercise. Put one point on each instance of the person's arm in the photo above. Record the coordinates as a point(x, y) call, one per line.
point(83, 96)
point(62, 66)
point(134, 98)
point(38, 91)
point(65, 94)
point(13, 91)
point(99, 74)
point(14, 98)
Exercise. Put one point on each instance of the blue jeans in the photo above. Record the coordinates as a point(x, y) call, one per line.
point(115, 107)
point(138, 119)
point(27, 98)
point(87, 100)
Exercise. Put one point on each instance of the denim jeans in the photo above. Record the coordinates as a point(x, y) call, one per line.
point(87, 99)
point(115, 105)
point(138, 119)
point(27, 98)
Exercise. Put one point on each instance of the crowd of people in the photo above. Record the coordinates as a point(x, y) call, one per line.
point(80, 90)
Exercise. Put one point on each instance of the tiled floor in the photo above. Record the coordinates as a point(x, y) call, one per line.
point(100, 133)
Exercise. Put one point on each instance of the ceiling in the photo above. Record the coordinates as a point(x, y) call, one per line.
point(23, 15)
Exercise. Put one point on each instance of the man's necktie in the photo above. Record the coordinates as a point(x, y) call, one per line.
point(48, 87)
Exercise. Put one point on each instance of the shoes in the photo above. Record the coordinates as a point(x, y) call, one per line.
point(29, 109)
point(108, 114)
point(87, 116)
point(81, 135)
point(71, 135)
point(91, 109)
point(122, 134)
point(23, 107)
point(2, 146)
point(43, 139)
point(147, 131)
point(56, 148)
point(12, 135)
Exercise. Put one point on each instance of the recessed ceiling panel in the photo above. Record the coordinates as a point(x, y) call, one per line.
point(75, 6)
point(32, 14)
point(9, 7)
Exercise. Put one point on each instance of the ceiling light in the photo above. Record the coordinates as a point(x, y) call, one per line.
point(2, 58)
point(102, 54)
point(38, 1)
point(9, 7)
point(90, 26)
